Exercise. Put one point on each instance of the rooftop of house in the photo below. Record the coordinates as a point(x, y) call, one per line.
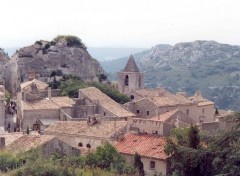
point(39, 84)
point(165, 116)
point(162, 98)
point(10, 137)
point(106, 102)
point(52, 103)
point(145, 145)
point(198, 98)
point(103, 129)
point(27, 142)
point(131, 65)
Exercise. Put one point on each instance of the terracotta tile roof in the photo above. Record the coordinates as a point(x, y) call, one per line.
point(11, 137)
point(53, 103)
point(106, 102)
point(40, 85)
point(27, 142)
point(39, 105)
point(143, 144)
point(165, 116)
point(131, 65)
point(81, 128)
point(162, 98)
point(63, 101)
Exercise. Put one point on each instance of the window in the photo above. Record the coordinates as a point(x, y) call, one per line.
point(80, 144)
point(187, 112)
point(155, 132)
point(88, 146)
point(132, 97)
point(203, 111)
point(126, 80)
point(152, 164)
point(138, 111)
point(104, 113)
point(147, 112)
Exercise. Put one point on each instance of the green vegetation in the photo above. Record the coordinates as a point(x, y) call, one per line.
point(193, 154)
point(105, 161)
point(70, 85)
point(71, 41)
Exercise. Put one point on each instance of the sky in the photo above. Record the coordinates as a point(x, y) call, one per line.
point(119, 23)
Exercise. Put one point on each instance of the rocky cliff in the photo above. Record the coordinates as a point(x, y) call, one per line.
point(43, 59)
point(3, 60)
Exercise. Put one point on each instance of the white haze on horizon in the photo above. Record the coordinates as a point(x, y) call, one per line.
point(108, 23)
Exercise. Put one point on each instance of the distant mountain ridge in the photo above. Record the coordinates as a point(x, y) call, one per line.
point(208, 66)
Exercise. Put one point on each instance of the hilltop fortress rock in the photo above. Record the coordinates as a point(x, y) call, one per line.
point(3, 60)
point(43, 59)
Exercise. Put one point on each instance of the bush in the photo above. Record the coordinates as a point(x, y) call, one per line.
point(71, 40)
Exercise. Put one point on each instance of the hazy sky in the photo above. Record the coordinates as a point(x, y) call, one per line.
point(119, 23)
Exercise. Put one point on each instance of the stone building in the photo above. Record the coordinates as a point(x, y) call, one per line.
point(48, 144)
point(149, 147)
point(2, 107)
point(93, 102)
point(130, 78)
point(37, 102)
point(162, 124)
point(90, 134)
point(148, 103)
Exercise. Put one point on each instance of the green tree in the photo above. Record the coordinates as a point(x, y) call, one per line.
point(138, 164)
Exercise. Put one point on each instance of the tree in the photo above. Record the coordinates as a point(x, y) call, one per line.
point(207, 155)
point(138, 164)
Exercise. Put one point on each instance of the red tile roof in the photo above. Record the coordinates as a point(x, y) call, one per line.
point(144, 144)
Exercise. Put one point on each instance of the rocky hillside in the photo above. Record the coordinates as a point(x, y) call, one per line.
point(208, 66)
point(63, 55)
point(3, 60)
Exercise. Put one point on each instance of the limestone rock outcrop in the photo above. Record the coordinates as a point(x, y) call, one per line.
point(3, 60)
point(43, 58)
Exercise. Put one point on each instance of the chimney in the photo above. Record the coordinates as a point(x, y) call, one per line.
point(49, 93)
point(2, 142)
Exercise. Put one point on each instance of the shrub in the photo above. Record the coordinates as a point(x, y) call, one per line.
point(71, 40)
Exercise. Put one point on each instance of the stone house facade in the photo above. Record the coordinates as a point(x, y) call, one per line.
point(90, 134)
point(149, 147)
point(37, 101)
point(2, 107)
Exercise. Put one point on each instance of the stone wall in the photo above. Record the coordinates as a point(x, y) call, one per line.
point(150, 126)
point(31, 116)
point(56, 145)
point(135, 81)
point(160, 165)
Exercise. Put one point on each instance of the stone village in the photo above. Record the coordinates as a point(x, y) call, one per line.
point(79, 125)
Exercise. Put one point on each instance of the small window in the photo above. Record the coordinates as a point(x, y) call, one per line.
point(88, 146)
point(104, 113)
point(138, 111)
point(132, 97)
point(152, 164)
point(203, 111)
point(155, 132)
point(187, 112)
point(80, 144)
point(147, 112)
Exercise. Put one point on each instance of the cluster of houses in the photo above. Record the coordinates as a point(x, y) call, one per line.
point(77, 126)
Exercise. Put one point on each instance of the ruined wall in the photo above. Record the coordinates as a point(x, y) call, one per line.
point(31, 116)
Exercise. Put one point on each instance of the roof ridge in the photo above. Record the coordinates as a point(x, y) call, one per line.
point(131, 65)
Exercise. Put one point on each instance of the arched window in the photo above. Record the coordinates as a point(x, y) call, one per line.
point(80, 144)
point(88, 146)
point(126, 80)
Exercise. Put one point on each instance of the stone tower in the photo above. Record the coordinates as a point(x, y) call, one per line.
point(130, 79)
